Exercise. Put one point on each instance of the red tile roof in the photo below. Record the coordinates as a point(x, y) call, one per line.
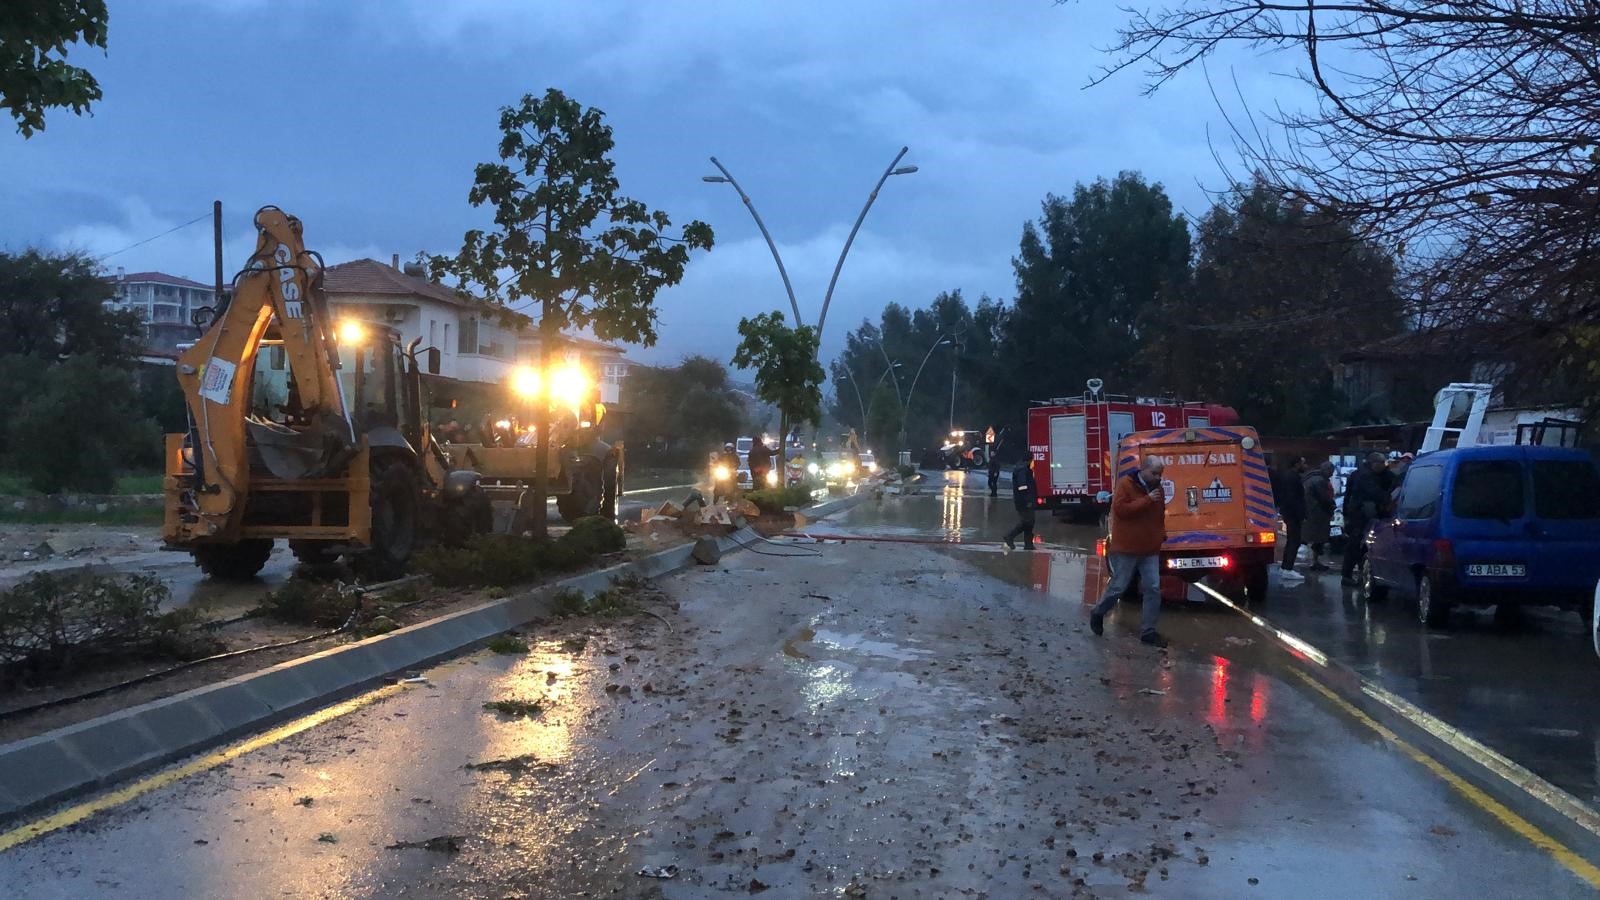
point(163, 278)
point(368, 276)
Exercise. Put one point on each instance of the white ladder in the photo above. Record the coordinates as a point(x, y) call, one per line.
point(1467, 435)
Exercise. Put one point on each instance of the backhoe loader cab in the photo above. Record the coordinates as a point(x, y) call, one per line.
point(319, 440)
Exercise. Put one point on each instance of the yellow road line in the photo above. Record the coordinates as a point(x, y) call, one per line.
point(1534, 835)
point(73, 815)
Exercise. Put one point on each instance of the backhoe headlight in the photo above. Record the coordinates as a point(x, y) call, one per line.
point(720, 473)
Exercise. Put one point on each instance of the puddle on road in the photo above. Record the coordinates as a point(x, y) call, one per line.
point(804, 637)
point(836, 642)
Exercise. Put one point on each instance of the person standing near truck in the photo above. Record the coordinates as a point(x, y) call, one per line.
point(1318, 529)
point(1023, 490)
point(1289, 491)
point(1138, 529)
point(1366, 497)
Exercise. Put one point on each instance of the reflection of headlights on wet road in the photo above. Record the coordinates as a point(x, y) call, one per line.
point(720, 473)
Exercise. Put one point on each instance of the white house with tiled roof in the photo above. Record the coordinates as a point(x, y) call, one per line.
point(473, 346)
point(164, 304)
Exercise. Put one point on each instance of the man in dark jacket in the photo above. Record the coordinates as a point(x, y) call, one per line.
point(760, 457)
point(1138, 529)
point(1289, 491)
point(994, 471)
point(1023, 492)
point(1366, 497)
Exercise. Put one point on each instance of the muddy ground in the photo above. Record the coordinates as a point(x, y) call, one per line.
point(865, 720)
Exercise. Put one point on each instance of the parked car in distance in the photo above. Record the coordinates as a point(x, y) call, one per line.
point(1480, 526)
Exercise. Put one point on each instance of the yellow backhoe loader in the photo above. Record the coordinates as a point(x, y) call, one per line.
point(287, 455)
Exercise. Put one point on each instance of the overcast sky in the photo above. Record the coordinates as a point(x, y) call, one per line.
point(365, 119)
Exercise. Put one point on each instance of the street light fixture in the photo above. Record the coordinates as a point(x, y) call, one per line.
point(891, 170)
point(727, 178)
point(940, 341)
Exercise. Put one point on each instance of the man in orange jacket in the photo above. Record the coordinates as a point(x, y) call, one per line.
point(1138, 529)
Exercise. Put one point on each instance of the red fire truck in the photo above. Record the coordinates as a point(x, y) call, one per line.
point(1073, 441)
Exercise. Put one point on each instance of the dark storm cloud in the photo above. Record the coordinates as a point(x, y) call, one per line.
point(366, 118)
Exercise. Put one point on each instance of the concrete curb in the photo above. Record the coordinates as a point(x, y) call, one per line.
point(1552, 810)
point(57, 765)
point(829, 507)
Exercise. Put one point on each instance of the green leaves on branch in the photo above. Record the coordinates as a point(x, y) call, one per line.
point(564, 236)
point(788, 375)
point(34, 73)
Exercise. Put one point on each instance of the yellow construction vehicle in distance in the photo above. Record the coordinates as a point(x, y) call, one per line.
point(276, 450)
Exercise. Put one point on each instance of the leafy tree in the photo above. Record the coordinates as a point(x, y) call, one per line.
point(51, 440)
point(972, 362)
point(52, 305)
point(787, 372)
point(1459, 133)
point(679, 414)
point(884, 417)
point(1090, 273)
point(34, 74)
point(1254, 328)
point(567, 240)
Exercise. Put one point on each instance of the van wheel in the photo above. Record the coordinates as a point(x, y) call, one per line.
point(1433, 611)
point(1370, 585)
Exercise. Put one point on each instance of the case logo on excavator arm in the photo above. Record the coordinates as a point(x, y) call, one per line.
point(286, 283)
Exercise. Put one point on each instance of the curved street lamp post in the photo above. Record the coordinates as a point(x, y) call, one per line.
point(940, 341)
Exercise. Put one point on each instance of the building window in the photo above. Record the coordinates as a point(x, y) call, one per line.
point(469, 336)
point(433, 332)
point(445, 344)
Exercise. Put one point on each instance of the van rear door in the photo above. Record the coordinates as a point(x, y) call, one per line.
point(1488, 522)
point(1565, 522)
point(1205, 488)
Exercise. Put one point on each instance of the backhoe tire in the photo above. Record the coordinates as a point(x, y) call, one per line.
point(583, 500)
point(313, 553)
point(396, 502)
point(233, 562)
point(463, 518)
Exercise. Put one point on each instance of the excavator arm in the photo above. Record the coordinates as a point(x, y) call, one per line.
point(279, 292)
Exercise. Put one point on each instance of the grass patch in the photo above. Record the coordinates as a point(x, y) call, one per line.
point(517, 709)
point(775, 500)
point(66, 622)
point(502, 560)
point(627, 591)
point(84, 515)
point(508, 644)
point(13, 484)
point(302, 601)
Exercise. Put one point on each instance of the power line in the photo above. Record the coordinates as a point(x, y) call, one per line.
point(147, 240)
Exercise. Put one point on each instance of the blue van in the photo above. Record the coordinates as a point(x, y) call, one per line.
point(1480, 526)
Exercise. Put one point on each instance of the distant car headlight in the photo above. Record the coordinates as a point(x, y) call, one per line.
point(772, 477)
point(720, 473)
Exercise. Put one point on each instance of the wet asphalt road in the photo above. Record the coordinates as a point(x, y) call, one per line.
point(1527, 690)
point(857, 720)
